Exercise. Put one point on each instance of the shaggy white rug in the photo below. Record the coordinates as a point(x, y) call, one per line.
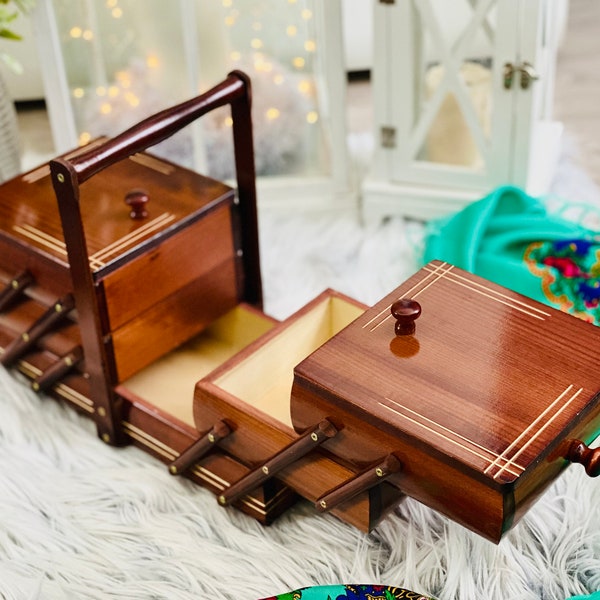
point(80, 519)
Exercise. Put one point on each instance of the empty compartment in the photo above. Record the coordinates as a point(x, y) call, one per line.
point(168, 383)
point(263, 377)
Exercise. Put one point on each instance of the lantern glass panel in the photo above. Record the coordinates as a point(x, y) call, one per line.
point(127, 59)
point(454, 61)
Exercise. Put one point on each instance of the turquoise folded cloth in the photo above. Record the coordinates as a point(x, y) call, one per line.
point(511, 238)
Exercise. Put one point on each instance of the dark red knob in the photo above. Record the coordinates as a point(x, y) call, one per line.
point(137, 200)
point(590, 459)
point(406, 312)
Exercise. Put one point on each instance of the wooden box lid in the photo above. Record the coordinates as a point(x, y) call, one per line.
point(490, 384)
point(29, 215)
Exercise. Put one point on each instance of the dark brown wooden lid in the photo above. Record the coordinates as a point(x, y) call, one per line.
point(489, 378)
point(174, 196)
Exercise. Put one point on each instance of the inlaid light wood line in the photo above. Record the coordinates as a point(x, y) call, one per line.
point(530, 426)
point(134, 435)
point(153, 163)
point(74, 397)
point(209, 476)
point(37, 174)
point(456, 440)
point(151, 438)
point(133, 237)
point(539, 432)
point(496, 293)
point(406, 294)
point(41, 238)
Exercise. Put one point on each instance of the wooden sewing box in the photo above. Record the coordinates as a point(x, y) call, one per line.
point(132, 290)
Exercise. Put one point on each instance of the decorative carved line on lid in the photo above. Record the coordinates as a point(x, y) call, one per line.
point(36, 174)
point(473, 448)
point(42, 238)
point(153, 163)
point(558, 403)
point(129, 239)
point(494, 294)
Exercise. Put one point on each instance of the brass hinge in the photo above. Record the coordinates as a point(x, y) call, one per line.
point(388, 137)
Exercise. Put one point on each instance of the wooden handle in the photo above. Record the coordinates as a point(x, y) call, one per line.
point(56, 313)
point(363, 481)
point(590, 459)
point(15, 288)
point(199, 448)
point(306, 443)
point(156, 128)
point(406, 312)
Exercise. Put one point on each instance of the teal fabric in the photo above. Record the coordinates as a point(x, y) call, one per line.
point(510, 238)
point(594, 596)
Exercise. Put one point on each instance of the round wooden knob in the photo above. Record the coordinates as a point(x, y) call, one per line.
point(590, 459)
point(137, 200)
point(406, 312)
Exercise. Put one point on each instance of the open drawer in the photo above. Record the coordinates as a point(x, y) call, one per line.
point(251, 392)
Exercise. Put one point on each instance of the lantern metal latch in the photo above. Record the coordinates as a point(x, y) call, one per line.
point(526, 71)
point(388, 137)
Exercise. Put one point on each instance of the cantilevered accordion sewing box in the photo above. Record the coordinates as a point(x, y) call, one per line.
point(132, 290)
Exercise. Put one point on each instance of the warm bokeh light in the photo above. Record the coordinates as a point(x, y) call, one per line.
point(272, 113)
point(152, 61)
point(84, 138)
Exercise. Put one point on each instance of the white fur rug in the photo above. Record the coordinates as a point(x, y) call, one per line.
point(80, 519)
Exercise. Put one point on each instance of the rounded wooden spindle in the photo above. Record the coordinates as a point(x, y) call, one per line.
point(406, 312)
point(588, 457)
point(137, 200)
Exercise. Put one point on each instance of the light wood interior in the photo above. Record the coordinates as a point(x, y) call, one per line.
point(169, 382)
point(264, 379)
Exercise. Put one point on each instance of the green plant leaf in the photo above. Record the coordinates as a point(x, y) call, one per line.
point(9, 35)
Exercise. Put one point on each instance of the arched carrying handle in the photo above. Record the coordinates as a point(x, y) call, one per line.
point(590, 458)
point(157, 128)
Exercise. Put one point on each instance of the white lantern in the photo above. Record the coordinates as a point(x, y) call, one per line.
point(463, 96)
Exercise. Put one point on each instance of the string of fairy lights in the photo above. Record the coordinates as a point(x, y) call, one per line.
point(278, 41)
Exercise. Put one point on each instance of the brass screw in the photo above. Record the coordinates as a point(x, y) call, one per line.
point(15, 284)
point(379, 472)
point(25, 337)
point(265, 470)
point(58, 307)
point(211, 438)
point(314, 437)
point(106, 437)
point(222, 500)
point(102, 411)
point(173, 470)
point(323, 504)
point(69, 361)
point(35, 386)
point(60, 178)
